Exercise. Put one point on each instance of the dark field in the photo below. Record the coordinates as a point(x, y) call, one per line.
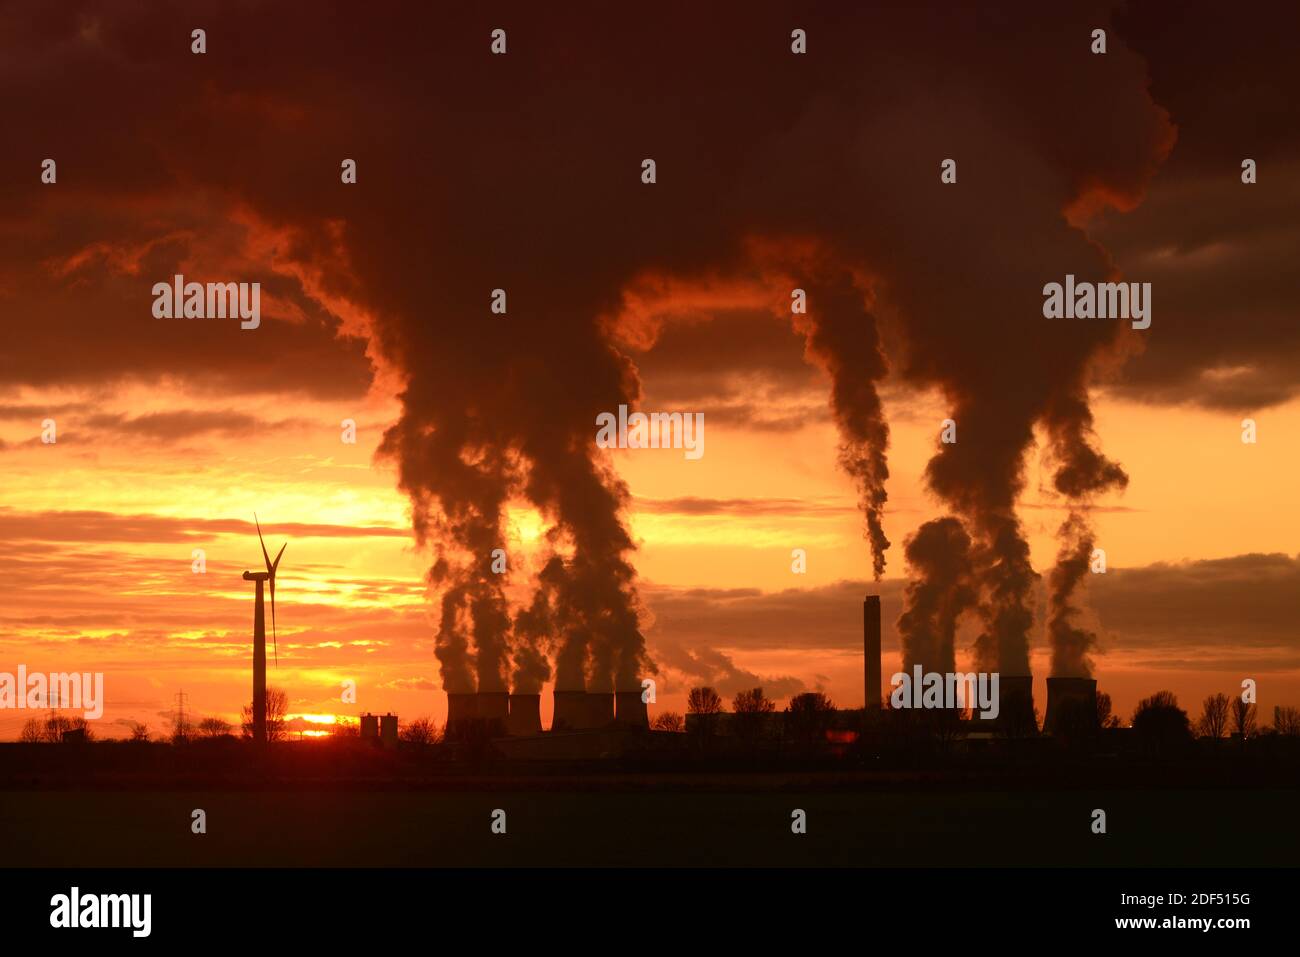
point(626, 826)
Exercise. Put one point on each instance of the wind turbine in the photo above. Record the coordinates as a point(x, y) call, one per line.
point(259, 635)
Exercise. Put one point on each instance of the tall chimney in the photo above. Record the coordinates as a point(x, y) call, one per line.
point(570, 711)
point(525, 714)
point(1071, 705)
point(462, 707)
point(630, 710)
point(871, 651)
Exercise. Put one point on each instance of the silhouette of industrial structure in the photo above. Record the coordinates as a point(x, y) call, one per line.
point(259, 635)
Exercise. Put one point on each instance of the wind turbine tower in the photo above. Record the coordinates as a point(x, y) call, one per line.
point(259, 635)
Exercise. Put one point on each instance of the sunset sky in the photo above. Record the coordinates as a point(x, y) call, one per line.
point(225, 167)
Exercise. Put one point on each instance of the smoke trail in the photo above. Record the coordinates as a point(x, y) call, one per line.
point(940, 589)
point(1082, 472)
point(1070, 643)
point(979, 476)
point(593, 587)
point(842, 335)
point(533, 627)
point(457, 507)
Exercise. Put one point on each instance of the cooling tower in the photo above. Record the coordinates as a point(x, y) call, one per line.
point(493, 705)
point(600, 709)
point(570, 711)
point(630, 711)
point(494, 710)
point(525, 714)
point(1071, 705)
point(462, 707)
point(1016, 705)
point(871, 651)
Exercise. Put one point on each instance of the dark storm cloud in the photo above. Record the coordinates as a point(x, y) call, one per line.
point(1220, 254)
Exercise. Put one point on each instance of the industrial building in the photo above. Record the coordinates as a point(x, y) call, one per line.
point(595, 723)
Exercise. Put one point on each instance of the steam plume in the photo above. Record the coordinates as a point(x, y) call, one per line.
point(1082, 472)
point(940, 589)
point(842, 335)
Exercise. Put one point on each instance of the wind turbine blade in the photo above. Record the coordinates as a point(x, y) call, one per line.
point(276, 564)
point(265, 556)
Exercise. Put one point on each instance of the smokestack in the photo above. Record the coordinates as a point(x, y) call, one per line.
point(600, 709)
point(570, 711)
point(1016, 705)
point(871, 652)
point(494, 709)
point(525, 714)
point(1071, 705)
point(462, 707)
point(630, 710)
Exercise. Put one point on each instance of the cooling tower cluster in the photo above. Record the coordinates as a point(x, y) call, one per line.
point(1015, 692)
point(521, 714)
point(589, 710)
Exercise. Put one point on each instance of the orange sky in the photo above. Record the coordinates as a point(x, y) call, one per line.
point(524, 171)
point(99, 593)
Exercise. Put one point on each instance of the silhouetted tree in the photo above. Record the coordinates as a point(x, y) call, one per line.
point(1286, 720)
point(33, 731)
point(1214, 716)
point(1104, 717)
point(139, 731)
point(1160, 724)
point(182, 730)
point(421, 732)
point(1243, 718)
point(750, 707)
point(277, 705)
point(55, 725)
point(705, 703)
point(668, 721)
point(808, 716)
point(345, 728)
point(214, 728)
